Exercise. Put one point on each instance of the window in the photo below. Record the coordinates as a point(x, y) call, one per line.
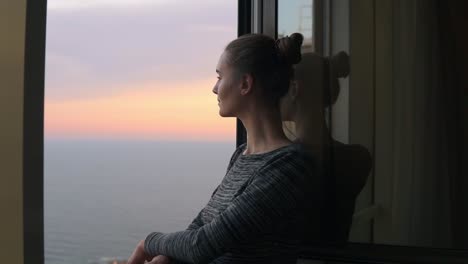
point(368, 20)
point(393, 118)
point(133, 139)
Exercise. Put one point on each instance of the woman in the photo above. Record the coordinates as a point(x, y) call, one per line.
point(258, 212)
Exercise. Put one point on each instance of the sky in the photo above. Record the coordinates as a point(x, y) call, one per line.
point(295, 16)
point(136, 69)
point(141, 69)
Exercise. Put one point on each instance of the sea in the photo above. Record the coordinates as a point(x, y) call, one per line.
point(103, 196)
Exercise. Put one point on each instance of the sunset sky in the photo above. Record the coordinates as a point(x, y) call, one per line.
point(141, 69)
point(136, 69)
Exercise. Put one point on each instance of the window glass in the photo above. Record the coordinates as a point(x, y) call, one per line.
point(314, 108)
point(297, 16)
point(386, 122)
point(133, 138)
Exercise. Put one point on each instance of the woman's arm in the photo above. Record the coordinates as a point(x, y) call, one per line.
point(197, 222)
point(275, 190)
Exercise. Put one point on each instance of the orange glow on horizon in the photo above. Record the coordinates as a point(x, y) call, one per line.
point(183, 111)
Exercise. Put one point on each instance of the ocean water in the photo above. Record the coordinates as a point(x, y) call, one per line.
point(102, 197)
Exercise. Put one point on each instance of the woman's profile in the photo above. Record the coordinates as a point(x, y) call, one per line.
point(261, 210)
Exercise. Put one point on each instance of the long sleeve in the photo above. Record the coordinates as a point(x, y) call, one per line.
point(197, 221)
point(276, 188)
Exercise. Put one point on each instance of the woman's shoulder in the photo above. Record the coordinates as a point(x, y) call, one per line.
point(290, 167)
point(291, 153)
point(296, 151)
point(292, 157)
point(236, 154)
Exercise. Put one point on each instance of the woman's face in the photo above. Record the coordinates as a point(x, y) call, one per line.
point(228, 89)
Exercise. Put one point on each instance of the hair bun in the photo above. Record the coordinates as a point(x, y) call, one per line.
point(339, 67)
point(289, 48)
point(298, 38)
point(340, 64)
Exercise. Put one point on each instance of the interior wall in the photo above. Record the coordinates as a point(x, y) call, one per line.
point(12, 36)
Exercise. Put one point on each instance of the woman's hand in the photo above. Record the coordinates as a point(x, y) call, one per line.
point(139, 256)
point(160, 259)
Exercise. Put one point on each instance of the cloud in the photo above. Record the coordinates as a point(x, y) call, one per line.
point(89, 4)
point(106, 4)
point(190, 111)
point(209, 28)
point(97, 51)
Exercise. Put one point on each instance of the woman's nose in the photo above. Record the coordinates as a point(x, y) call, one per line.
point(215, 89)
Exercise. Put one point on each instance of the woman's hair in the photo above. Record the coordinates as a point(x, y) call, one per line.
point(334, 67)
point(338, 67)
point(269, 61)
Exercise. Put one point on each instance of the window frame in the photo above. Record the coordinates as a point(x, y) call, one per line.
point(244, 26)
point(33, 131)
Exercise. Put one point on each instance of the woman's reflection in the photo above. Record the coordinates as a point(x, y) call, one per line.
point(345, 166)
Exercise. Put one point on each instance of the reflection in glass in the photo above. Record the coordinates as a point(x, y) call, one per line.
point(403, 164)
point(307, 114)
point(297, 16)
point(345, 167)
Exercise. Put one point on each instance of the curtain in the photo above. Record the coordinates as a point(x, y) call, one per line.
point(454, 54)
point(426, 204)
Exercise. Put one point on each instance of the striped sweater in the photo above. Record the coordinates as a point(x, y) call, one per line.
point(263, 209)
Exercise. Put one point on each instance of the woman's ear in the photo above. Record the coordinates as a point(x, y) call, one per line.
point(247, 82)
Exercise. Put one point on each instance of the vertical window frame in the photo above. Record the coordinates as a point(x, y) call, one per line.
point(33, 134)
point(245, 20)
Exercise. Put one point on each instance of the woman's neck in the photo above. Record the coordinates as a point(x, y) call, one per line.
point(264, 131)
point(315, 136)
